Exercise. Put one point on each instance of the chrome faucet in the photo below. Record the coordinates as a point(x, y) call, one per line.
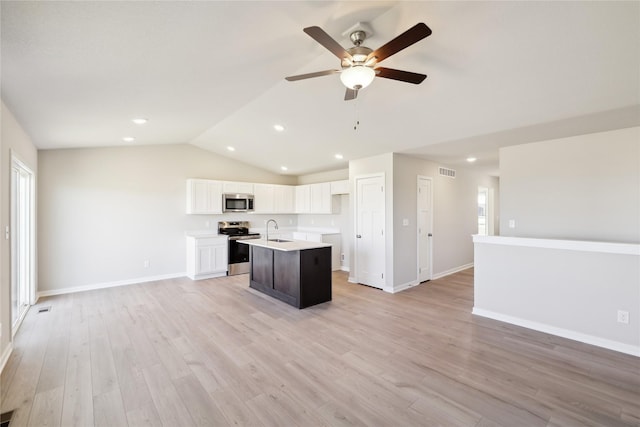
point(276, 226)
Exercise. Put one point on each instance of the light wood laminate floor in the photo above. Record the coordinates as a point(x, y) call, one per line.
point(213, 352)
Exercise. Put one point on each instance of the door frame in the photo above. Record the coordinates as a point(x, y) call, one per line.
point(430, 179)
point(381, 175)
point(31, 291)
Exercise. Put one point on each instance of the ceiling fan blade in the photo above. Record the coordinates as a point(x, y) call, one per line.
point(310, 75)
point(319, 35)
point(406, 39)
point(403, 76)
point(350, 94)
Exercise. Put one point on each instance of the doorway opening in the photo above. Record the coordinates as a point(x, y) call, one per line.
point(22, 234)
point(485, 211)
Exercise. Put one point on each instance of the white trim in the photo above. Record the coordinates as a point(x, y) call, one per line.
point(344, 268)
point(354, 241)
point(105, 285)
point(561, 332)
point(430, 179)
point(451, 271)
point(571, 245)
point(403, 287)
point(5, 356)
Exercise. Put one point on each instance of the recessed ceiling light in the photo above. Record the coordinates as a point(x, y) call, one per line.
point(338, 156)
point(139, 120)
point(230, 148)
point(128, 139)
point(278, 128)
point(471, 159)
point(284, 168)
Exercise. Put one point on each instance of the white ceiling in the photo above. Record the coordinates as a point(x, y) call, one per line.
point(212, 74)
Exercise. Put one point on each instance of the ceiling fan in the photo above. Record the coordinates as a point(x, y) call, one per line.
point(359, 63)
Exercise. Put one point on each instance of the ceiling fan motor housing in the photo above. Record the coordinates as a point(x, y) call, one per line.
point(359, 55)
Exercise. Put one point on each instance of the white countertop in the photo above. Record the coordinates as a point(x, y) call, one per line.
point(290, 245)
point(203, 233)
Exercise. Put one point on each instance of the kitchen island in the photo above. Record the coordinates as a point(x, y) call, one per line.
point(293, 271)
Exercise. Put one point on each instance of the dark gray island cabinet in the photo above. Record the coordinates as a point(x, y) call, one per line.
point(298, 273)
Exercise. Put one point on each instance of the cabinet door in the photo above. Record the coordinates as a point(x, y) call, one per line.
point(263, 198)
point(204, 196)
point(340, 187)
point(286, 273)
point(303, 199)
point(283, 199)
point(321, 198)
point(262, 267)
point(211, 259)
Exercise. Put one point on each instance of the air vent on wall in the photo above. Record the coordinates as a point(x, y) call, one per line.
point(448, 172)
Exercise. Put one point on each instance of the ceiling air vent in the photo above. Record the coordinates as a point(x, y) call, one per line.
point(448, 172)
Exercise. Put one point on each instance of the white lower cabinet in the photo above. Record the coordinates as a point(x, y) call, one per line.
point(334, 239)
point(207, 257)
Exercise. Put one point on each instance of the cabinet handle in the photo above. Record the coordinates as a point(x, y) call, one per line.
point(358, 236)
point(430, 235)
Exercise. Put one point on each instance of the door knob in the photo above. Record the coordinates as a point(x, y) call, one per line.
point(430, 235)
point(358, 236)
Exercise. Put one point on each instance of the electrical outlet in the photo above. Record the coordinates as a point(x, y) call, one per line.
point(512, 223)
point(146, 263)
point(405, 222)
point(623, 317)
point(341, 257)
point(207, 224)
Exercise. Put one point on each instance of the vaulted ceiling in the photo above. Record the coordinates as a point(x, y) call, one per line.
point(212, 74)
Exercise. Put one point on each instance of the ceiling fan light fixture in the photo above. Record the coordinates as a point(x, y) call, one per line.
point(357, 77)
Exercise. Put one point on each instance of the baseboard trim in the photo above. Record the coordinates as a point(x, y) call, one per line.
point(344, 268)
point(105, 285)
point(5, 356)
point(451, 271)
point(560, 332)
point(404, 287)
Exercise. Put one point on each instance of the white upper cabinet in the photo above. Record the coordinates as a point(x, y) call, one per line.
point(303, 199)
point(321, 198)
point(263, 199)
point(283, 199)
point(340, 187)
point(204, 196)
point(314, 198)
point(237, 187)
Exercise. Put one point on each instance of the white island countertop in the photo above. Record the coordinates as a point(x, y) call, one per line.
point(288, 245)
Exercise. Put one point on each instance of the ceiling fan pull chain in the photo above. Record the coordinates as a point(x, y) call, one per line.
point(357, 118)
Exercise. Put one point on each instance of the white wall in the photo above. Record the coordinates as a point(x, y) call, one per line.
point(335, 175)
point(455, 210)
point(584, 187)
point(13, 140)
point(568, 288)
point(455, 216)
point(103, 211)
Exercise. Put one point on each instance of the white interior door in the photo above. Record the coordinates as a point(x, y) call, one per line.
point(370, 238)
point(22, 241)
point(425, 224)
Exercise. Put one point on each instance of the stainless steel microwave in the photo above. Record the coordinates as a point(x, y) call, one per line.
point(237, 202)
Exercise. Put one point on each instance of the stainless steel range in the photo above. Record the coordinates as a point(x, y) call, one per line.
point(238, 253)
